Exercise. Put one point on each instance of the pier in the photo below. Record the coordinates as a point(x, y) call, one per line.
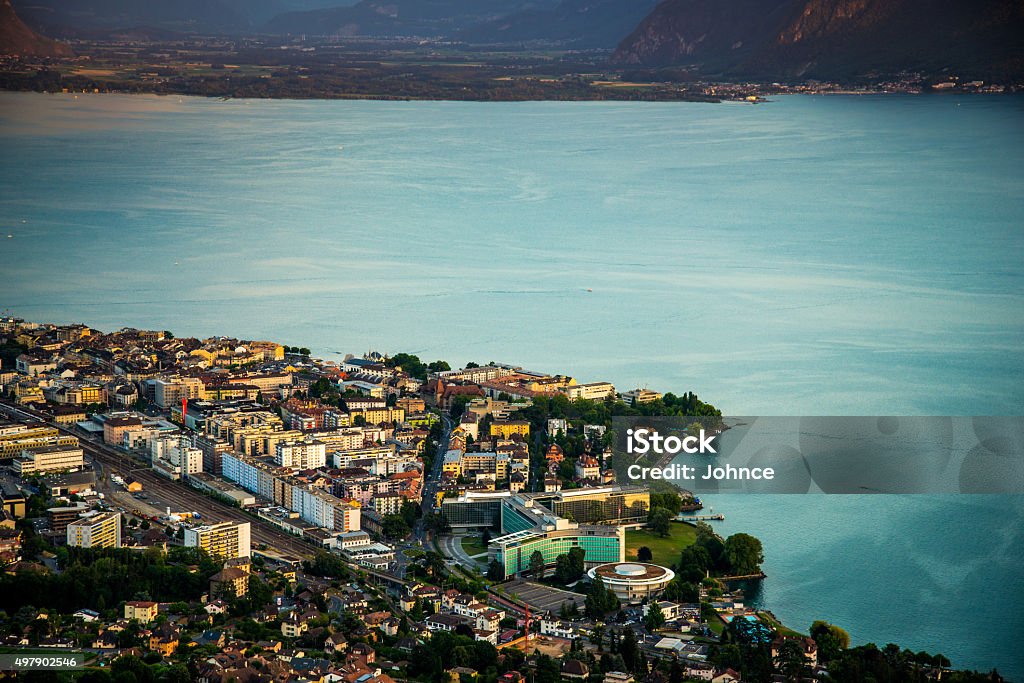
point(702, 518)
point(743, 577)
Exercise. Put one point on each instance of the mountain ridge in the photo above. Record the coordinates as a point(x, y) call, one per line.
point(16, 38)
point(829, 38)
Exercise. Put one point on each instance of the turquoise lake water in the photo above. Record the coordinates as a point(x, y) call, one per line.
point(813, 255)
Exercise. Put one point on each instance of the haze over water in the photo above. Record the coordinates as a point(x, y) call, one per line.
point(812, 255)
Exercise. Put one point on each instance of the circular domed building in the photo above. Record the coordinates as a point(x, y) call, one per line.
point(632, 581)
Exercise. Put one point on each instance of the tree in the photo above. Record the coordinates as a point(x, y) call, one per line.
point(408, 363)
point(660, 521)
point(395, 527)
point(682, 591)
point(655, 618)
point(790, 660)
point(630, 651)
point(744, 554)
point(325, 564)
point(537, 564)
point(434, 563)
point(439, 524)
point(569, 567)
point(831, 640)
point(495, 572)
point(675, 671)
point(547, 670)
point(644, 554)
point(670, 500)
point(600, 601)
point(597, 637)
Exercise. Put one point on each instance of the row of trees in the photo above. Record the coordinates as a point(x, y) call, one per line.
point(583, 411)
point(102, 578)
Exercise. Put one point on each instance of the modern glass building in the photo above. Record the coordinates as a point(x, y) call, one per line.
point(601, 544)
point(474, 510)
point(604, 505)
point(600, 505)
point(530, 527)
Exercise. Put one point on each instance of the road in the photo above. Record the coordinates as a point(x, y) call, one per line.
point(451, 546)
point(433, 481)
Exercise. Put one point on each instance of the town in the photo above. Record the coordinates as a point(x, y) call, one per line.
point(223, 509)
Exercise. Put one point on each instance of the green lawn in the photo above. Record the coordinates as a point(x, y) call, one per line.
point(665, 550)
point(778, 626)
point(473, 545)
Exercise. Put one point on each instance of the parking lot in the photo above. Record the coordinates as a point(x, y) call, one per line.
point(542, 598)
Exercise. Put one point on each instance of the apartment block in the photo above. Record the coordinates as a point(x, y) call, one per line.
point(101, 530)
point(223, 541)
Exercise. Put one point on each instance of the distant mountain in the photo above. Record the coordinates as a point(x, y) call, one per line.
point(830, 38)
point(573, 23)
point(400, 17)
point(703, 31)
point(94, 17)
point(18, 39)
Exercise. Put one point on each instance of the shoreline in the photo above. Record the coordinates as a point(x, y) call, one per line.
point(654, 99)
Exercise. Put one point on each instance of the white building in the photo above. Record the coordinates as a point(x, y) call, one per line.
point(557, 424)
point(302, 455)
point(48, 459)
point(327, 511)
point(557, 628)
point(594, 391)
point(174, 457)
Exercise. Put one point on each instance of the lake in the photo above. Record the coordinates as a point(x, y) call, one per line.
point(811, 255)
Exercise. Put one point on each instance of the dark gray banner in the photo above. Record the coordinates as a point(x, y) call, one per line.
point(823, 454)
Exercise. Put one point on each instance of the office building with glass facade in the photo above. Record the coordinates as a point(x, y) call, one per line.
point(601, 544)
point(475, 510)
point(530, 527)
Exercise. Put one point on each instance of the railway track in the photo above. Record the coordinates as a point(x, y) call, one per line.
point(181, 496)
point(185, 498)
point(177, 494)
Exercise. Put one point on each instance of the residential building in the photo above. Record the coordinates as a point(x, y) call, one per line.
point(638, 396)
point(506, 428)
point(175, 458)
point(594, 391)
point(224, 540)
point(102, 530)
point(302, 455)
point(142, 611)
point(168, 392)
point(114, 428)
